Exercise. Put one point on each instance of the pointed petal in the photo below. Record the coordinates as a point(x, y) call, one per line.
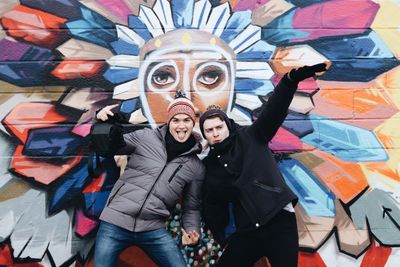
point(369, 55)
point(236, 24)
point(126, 90)
point(126, 61)
point(312, 194)
point(351, 240)
point(163, 10)
point(77, 49)
point(93, 28)
point(253, 86)
point(140, 28)
point(202, 10)
point(255, 70)
point(128, 35)
point(150, 19)
point(260, 50)
point(240, 116)
point(137, 117)
point(248, 101)
point(313, 231)
point(116, 7)
point(7, 223)
point(218, 18)
point(122, 47)
point(246, 38)
point(129, 106)
point(343, 140)
point(182, 13)
point(119, 75)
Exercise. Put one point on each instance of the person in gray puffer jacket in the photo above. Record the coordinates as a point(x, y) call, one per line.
point(163, 165)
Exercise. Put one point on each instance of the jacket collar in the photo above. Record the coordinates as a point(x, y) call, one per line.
point(162, 132)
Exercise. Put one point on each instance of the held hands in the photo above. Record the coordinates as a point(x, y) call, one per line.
point(297, 75)
point(105, 112)
point(190, 238)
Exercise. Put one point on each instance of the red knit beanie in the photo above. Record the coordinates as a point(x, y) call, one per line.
point(181, 105)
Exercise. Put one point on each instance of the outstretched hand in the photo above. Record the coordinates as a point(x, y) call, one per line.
point(190, 238)
point(297, 75)
point(105, 112)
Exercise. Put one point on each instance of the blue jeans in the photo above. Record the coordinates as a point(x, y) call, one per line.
point(158, 244)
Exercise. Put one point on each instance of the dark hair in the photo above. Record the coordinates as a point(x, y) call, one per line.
point(216, 115)
point(214, 111)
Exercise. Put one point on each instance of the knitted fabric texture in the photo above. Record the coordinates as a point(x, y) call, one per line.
point(181, 106)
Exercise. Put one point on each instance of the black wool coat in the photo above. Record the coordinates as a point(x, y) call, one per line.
point(256, 183)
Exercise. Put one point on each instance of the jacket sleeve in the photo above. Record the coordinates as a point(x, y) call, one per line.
point(131, 139)
point(191, 207)
point(274, 111)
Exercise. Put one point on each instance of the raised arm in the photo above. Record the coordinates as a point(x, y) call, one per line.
point(274, 111)
point(107, 114)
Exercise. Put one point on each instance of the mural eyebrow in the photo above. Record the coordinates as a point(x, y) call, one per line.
point(208, 55)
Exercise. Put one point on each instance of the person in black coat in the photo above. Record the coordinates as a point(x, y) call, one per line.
point(242, 178)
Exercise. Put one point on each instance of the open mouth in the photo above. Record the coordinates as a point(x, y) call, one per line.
point(181, 134)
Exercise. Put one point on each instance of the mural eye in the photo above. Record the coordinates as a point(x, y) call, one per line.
point(163, 78)
point(209, 77)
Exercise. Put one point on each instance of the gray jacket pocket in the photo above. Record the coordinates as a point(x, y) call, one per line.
point(115, 193)
point(174, 173)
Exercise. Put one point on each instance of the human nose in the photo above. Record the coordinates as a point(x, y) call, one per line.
point(181, 124)
point(215, 133)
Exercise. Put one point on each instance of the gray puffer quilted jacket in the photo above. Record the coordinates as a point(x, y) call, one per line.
point(149, 187)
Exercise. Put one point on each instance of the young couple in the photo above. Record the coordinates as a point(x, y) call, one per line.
point(239, 172)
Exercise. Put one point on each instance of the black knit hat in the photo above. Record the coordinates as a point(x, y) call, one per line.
point(214, 111)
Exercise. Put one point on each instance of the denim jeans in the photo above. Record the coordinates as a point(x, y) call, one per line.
point(158, 244)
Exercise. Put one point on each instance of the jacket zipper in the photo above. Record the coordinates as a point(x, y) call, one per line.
point(147, 196)
point(174, 173)
point(116, 192)
point(267, 187)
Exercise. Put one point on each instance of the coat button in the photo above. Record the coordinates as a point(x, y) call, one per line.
point(218, 156)
point(225, 165)
point(257, 225)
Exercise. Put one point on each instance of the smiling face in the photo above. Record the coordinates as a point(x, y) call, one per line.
point(200, 64)
point(181, 127)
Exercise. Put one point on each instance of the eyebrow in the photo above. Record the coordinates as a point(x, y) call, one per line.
point(215, 126)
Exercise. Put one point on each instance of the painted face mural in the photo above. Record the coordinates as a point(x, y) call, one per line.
point(338, 148)
point(195, 62)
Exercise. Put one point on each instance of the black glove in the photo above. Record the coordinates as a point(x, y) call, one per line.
point(297, 75)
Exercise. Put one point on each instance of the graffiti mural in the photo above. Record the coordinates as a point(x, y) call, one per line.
point(338, 149)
